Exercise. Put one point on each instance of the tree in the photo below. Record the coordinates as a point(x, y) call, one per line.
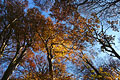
point(15, 33)
point(107, 41)
point(50, 39)
point(59, 41)
point(104, 9)
point(36, 46)
point(65, 10)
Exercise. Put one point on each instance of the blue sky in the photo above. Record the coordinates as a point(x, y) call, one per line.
point(31, 5)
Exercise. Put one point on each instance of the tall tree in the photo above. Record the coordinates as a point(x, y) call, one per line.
point(17, 37)
point(63, 36)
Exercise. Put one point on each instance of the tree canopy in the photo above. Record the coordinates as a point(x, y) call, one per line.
point(71, 43)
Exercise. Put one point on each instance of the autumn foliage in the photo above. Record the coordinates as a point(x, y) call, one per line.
point(60, 46)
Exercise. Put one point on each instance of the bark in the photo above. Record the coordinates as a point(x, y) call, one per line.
point(49, 57)
point(4, 42)
point(50, 67)
point(12, 66)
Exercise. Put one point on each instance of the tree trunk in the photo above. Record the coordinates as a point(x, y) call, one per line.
point(49, 57)
point(12, 66)
point(8, 72)
point(50, 68)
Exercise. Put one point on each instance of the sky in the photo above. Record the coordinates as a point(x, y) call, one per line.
point(31, 5)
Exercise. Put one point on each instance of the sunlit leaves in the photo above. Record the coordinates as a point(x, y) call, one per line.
point(100, 69)
point(51, 42)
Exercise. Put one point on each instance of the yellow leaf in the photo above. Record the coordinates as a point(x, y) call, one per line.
point(81, 30)
point(100, 69)
point(92, 71)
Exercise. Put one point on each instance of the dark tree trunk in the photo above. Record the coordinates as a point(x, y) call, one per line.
point(49, 57)
point(9, 71)
point(50, 68)
point(12, 65)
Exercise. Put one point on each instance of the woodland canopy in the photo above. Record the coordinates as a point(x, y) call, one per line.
point(59, 40)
